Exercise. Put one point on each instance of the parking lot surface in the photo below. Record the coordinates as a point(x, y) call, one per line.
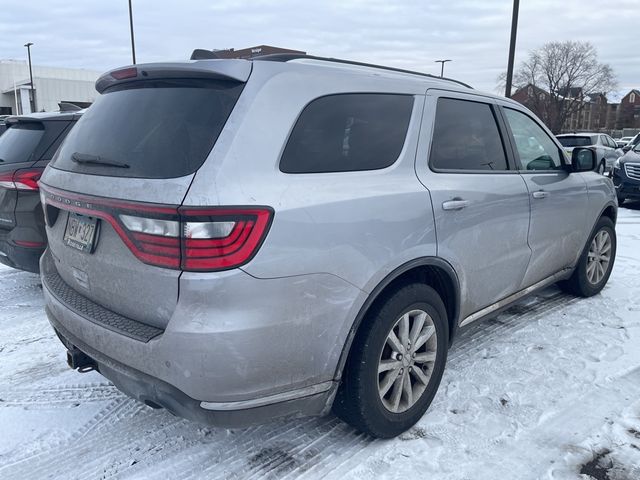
point(548, 389)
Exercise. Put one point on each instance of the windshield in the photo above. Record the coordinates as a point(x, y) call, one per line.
point(158, 129)
point(19, 142)
point(576, 141)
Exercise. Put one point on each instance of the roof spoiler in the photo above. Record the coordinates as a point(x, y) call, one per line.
point(202, 54)
point(68, 107)
point(226, 70)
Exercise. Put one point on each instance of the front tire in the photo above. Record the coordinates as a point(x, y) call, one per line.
point(396, 363)
point(621, 199)
point(596, 262)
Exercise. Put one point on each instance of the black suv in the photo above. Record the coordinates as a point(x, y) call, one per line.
point(626, 175)
point(25, 149)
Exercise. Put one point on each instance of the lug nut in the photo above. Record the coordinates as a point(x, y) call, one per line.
point(399, 356)
point(401, 371)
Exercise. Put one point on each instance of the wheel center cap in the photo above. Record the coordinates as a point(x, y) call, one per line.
point(406, 361)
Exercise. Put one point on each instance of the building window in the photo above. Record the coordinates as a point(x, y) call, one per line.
point(632, 98)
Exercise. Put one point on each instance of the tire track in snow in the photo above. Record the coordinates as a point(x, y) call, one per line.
point(63, 396)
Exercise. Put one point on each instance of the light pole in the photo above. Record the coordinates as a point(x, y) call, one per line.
point(512, 47)
point(442, 62)
point(32, 96)
point(133, 43)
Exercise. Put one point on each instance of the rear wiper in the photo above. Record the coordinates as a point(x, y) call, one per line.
point(96, 160)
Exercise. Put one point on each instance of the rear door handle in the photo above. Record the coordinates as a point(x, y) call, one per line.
point(456, 204)
point(540, 194)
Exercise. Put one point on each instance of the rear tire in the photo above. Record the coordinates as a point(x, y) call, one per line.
point(596, 262)
point(388, 384)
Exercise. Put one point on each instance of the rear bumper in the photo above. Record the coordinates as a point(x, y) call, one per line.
point(15, 256)
point(159, 394)
point(23, 240)
point(237, 350)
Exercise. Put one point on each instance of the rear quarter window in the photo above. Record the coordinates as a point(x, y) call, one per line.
point(348, 132)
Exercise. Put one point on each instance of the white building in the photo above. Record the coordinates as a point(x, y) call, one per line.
point(52, 85)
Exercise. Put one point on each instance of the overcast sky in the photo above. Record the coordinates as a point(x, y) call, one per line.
point(94, 34)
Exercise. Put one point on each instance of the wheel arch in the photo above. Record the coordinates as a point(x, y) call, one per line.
point(433, 271)
point(610, 211)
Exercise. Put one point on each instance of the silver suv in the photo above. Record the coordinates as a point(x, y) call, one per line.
point(606, 148)
point(239, 240)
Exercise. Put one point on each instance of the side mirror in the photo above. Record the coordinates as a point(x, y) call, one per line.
point(583, 160)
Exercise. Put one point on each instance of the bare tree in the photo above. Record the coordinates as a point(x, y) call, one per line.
point(560, 75)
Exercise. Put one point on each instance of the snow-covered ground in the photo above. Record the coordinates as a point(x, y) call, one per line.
point(549, 389)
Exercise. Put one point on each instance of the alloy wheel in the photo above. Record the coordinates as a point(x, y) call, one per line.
point(598, 257)
point(407, 361)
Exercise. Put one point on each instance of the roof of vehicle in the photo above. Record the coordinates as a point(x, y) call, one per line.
point(205, 64)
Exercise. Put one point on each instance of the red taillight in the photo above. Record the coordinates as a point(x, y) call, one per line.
point(130, 72)
point(219, 239)
point(187, 238)
point(198, 239)
point(25, 179)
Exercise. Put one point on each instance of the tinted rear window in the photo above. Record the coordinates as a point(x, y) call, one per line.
point(466, 137)
point(158, 129)
point(19, 143)
point(576, 141)
point(348, 132)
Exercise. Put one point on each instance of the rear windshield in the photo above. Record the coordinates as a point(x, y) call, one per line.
point(576, 141)
point(19, 143)
point(154, 129)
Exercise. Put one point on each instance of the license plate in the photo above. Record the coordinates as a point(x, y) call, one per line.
point(80, 232)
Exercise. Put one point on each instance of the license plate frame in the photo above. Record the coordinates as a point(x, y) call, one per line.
point(80, 232)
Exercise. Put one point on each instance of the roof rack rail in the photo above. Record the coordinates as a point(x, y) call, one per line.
point(285, 57)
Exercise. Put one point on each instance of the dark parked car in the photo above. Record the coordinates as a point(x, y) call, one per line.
point(626, 175)
point(3, 125)
point(25, 149)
